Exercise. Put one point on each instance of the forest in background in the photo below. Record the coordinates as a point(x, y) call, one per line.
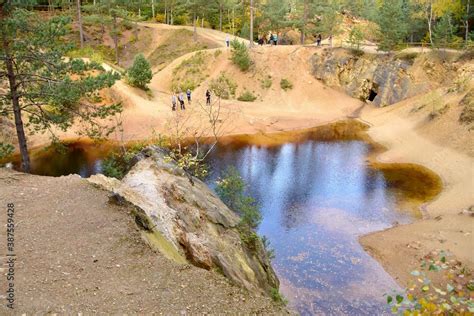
point(390, 23)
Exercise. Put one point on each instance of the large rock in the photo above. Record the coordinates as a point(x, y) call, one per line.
point(390, 78)
point(191, 219)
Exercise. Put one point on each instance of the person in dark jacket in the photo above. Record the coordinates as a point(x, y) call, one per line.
point(208, 97)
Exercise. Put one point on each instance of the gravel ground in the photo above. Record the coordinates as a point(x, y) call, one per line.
point(78, 253)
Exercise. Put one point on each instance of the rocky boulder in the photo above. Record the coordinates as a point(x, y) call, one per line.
point(190, 221)
point(380, 79)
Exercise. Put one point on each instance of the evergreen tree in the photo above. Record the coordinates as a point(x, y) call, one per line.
point(45, 89)
point(392, 22)
point(139, 74)
point(330, 22)
point(443, 31)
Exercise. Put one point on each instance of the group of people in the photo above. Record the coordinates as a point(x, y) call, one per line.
point(272, 40)
point(179, 97)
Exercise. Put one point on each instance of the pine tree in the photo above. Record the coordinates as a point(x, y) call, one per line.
point(46, 90)
point(392, 22)
point(139, 74)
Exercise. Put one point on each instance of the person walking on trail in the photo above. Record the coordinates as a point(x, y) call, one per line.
point(275, 39)
point(318, 40)
point(208, 97)
point(181, 101)
point(173, 102)
point(188, 94)
point(227, 41)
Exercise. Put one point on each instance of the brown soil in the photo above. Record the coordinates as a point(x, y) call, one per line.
point(78, 253)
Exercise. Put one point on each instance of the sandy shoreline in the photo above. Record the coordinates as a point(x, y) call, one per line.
point(399, 248)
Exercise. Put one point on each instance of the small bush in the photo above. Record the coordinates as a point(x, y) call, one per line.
point(139, 74)
point(356, 36)
point(285, 84)
point(118, 163)
point(266, 83)
point(190, 73)
point(247, 96)
point(278, 297)
point(223, 87)
point(240, 55)
point(6, 150)
point(231, 189)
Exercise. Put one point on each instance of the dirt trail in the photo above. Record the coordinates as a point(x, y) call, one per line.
point(78, 253)
point(210, 34)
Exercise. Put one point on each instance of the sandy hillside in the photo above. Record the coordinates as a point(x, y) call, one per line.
point(446, 147)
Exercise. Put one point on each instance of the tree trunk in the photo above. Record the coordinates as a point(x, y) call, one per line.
point(153, 8)
point(305, 18)
point(467, 22)
point(79, 21)
point(20, 131)
point(251, 24)
point(430, 19)
point(202, 22)
point(220, 17)
point(233, 21)
point(115, 38)
point(194, 27)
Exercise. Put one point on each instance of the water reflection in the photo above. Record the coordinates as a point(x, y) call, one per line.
point(316, 199)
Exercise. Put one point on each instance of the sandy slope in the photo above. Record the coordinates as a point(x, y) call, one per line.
point(308, 104)
point(445, 226)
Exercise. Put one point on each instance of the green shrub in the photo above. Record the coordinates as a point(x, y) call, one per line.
point(223, 87)
point(285, 84)
point(99, 53)
point(356, 36)
point(139, 74)
point(240, 55)
point(231, 189)
point(277, 296)
point(118, 163)
point(266, 82)
point(190, 73)
point(247, 96)
point(6, 150)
